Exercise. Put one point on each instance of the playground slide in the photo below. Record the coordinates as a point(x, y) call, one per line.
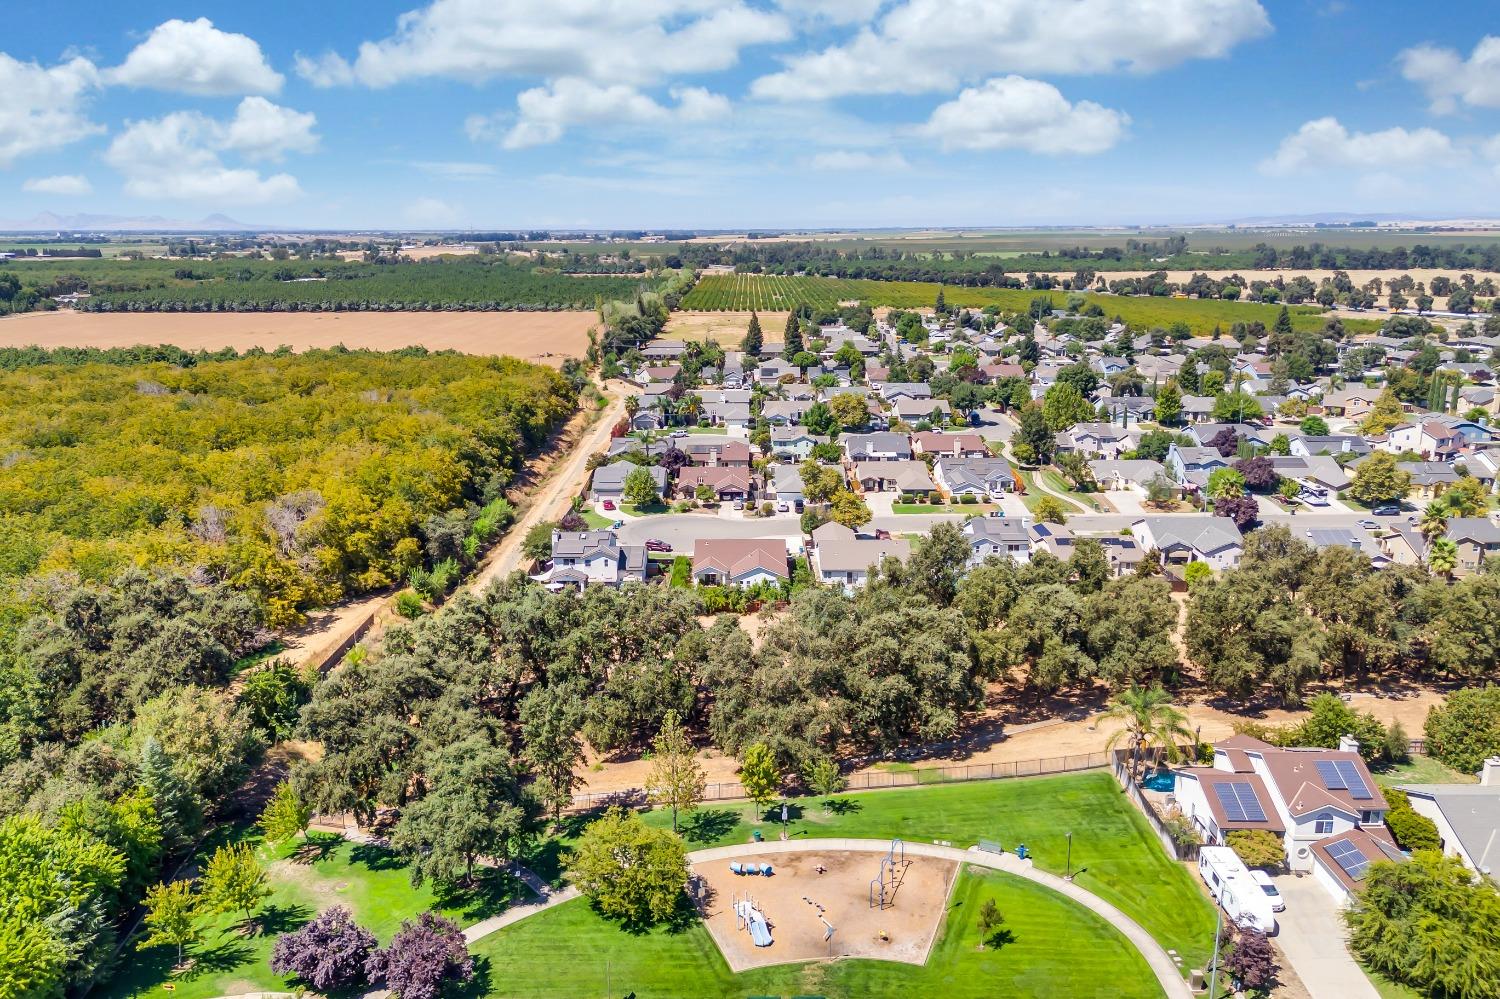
point(760, 933)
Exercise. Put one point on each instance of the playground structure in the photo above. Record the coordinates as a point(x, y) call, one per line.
point(748, 917)
point(884, 886)
point(816, 907)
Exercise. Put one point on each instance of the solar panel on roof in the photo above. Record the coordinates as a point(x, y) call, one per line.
point(1353, 781)
point(1239, 802)
point(1347, 856)
point(1332, 778)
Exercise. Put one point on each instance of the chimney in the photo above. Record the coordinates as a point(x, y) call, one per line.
point(1489, 774)
point(1348, 744)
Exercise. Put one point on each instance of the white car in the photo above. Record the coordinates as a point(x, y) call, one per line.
point(1269, 887)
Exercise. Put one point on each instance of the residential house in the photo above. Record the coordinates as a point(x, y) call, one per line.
point(1312, 472)
point(1341, 862)
point(1190, 467)
point(1002, 537)
point(717, 452)
point(1128, 411)
point(894, 476)
point(1477, 539)
point(1134, 474)
point(794, 443)
point(848, 563)
point(1197, 408)
point(892, 391)
point(772, 371)
point(1354, 402)
point(1054, 539)
point(1184, 538)
point(786, 483)
point(733, 415)
point(1403, 544)
point(1429, 438)
point(740, 562)
point(1098, 440)
point(727, 483)
point(592, 558)
point(917, 410)
point(1122, 552)
point(986, 478)
point(1304, 796)
point(608, 482)
point(661, 351)
point(783, 412)
point(949, 445)
point(879, 446)
point(994, 372)
point(1429, 479)
point(1467, 817)
point(1306, 445)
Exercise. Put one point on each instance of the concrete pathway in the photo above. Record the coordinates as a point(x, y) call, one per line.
point(1161, 963)
point(1312, 938)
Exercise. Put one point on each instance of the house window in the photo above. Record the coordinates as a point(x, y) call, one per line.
point(1370, 818)
point(1324, 825)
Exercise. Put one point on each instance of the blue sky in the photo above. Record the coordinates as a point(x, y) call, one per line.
point(753, 114)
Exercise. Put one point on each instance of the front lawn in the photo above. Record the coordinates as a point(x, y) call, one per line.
point(597, 521)
point(1420, 770)
point(1054, 948)
point(304, 880)
point(1115, 854)
point(931, 508)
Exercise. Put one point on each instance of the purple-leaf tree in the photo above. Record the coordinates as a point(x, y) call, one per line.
point(1243, 510)
point(328, 953)
point(1252, 962)
point(422, 956)
point(1260, 474)
point(1226, 442)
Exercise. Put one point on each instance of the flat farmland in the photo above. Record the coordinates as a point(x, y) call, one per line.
point(727, 328)
point(543, 337)
point(737, 292)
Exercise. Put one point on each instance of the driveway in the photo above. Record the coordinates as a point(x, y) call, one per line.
point(1312, 938)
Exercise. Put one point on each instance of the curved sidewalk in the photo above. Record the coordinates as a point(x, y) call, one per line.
point(1162, 965)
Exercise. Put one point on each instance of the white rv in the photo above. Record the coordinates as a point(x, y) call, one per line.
point(1231, 885)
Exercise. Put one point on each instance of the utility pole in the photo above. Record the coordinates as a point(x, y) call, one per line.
point(1213, 975)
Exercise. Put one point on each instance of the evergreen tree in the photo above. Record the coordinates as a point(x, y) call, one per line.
point(177, 807)
point(753, 341)
point(791, 344)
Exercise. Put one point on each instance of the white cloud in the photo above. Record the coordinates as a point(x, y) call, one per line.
point(1325, 143)
point(921, 46)
point(1012, 112)
point(431, 211)
point(177, 156)
point(64, 185)
point(194, 57)
point(265, 131)
point(41, 108)
point(858, 161)
point(600, 40)
point(1450, 79)
point(455, 170)
point(832, 11)
point(1491, 152)
point(543, 114)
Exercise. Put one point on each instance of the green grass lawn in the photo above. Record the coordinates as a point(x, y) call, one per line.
point(1421, 770)
point(368, 879)
point(1052, 947)
point(930, 508)
point(1055, 481)
point(597, 520)
point(1033, 494)
point(1113, 848)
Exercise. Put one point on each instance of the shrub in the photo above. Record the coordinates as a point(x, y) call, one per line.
point(1466, 730)
point(1257, 847)
point(1180, 828)
point(423, 955)
point(1412, 830)
point(409, 605)
point(970, 498)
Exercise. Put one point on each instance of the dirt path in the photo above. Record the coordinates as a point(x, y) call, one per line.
point(1077, 732)
point(556, 496)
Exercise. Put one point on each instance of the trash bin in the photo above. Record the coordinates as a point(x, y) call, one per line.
point(1022, 852)
point(756, 836)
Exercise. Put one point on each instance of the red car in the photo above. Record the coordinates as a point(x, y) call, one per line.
point(655, 545)
point(609, 504)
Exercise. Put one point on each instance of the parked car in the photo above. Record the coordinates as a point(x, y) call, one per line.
point(1268, 886)
point(739, 504)
point(657, 545)
point(1387, 510)
point(783, 507)
point(882, 535)
point(609, 504)
point(617, 525)
point(679, 433)
point(1369, 524)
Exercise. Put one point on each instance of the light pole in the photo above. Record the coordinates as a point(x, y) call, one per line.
point(1213, 974)
point(1069, 875)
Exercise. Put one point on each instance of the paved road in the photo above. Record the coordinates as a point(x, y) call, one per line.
point(1312, 938)
point(1160, 962)
point(683, 530)
point(994, 425)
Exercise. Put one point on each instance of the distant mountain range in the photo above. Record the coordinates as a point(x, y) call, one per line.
point(1383, 218)
point(52, 222)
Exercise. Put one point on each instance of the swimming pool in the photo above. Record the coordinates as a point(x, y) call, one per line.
point(1161, 780)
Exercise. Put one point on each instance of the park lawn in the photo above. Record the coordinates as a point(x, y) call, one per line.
point(1033, 494)
point(370, 880)
point(1115, 854)
point(1421, 770)
point(1051, 947)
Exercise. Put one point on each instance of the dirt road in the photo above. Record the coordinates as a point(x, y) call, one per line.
point(563, 483)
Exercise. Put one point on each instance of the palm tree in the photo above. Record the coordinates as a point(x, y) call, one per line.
point(1442, 557)
point(1434, 523)
point(1149, 719)
point(632, 406)
point(690, 405)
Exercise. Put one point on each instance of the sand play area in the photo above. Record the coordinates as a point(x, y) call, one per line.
point(544, 337)
point(838, 882)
